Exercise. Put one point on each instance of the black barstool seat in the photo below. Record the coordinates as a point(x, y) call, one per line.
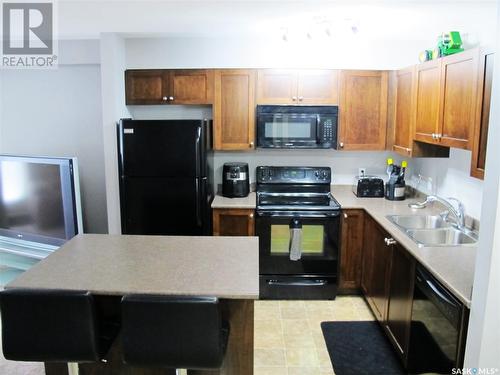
point(53, 326)
point(173, 331)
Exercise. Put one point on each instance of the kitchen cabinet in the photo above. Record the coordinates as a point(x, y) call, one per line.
point(480, 138)
point(177, 86)
point(363, 110)
point(351, 250)
point(400, 298)
point(281, 86)
point(446, 91)
point(233, 222)
point(234, 109)
point(375, 267)
point(404, 111)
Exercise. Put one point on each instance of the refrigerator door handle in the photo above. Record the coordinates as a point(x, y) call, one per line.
point(198, 203)
point(198, 153)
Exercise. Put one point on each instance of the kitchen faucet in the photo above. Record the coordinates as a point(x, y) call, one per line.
point(458, 213)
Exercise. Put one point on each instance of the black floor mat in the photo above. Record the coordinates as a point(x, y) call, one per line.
point(358, 348)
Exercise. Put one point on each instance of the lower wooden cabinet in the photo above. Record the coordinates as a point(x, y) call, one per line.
point(233, 222)
point(400, 298)
point(375, 267)
point(351, 247)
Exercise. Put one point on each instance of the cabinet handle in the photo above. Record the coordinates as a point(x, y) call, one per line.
point(433, 135)
point(408, 150)
point(294, 98)
point(345, 216)
point(390, 241)
point(301, 98)
point(171, 98)
point(251, 216)
point(341, 144)
point(250, 144)
point(164, 98)
point(439, 136)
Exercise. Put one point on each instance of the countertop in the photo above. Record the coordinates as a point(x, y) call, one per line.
point(453, 266)
point(224, 267)
point(223, 202)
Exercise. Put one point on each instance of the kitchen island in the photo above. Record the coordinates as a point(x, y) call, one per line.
point(110, 266)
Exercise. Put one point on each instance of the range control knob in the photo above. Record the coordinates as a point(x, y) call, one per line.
point(316, 173)
point(324, 175)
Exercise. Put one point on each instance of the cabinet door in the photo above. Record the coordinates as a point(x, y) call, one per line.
point(459, 87)
point(233, 222)
point(277, 86)
point(146, 87)
point(363, 110)
point(234, 109)
point(376, 263)
point(191, 86)
point(399, 307)
point(428, 76)
point(404, 115)
point(486, 63)
point(318, 87)
point(351, 249)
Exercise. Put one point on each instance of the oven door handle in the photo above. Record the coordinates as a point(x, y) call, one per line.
point(297, 283)
point(298, 214)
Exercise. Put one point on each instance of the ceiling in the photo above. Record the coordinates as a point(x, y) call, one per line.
point(401, 21)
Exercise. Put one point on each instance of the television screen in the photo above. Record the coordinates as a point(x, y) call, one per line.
point(37, 199)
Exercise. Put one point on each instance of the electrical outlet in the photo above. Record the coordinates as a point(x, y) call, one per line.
point(361, 171)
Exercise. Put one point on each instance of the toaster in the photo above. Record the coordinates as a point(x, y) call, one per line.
point(368, 187)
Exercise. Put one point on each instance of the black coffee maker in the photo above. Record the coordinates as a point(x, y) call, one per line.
point(235, 181)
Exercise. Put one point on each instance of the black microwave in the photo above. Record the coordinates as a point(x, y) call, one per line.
point(292, 126)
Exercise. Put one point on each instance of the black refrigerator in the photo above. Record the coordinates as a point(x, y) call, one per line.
point(166, 178)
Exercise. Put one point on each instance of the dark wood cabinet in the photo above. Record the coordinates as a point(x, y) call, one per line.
point(446, 91)
point(458, 99)
point(233, 222)
point(375, 267)
point(351, 249)
point(363, 110)
point(480, 139)
point(234, 109)
point(178, 86)
point(307, 86)
point(404, 111)
point(400, 298)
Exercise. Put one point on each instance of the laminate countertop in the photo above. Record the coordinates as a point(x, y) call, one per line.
point(453, 266)
point(246, 202)
point(224, 267)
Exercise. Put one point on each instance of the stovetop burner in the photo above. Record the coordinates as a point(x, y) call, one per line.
point(295, 188)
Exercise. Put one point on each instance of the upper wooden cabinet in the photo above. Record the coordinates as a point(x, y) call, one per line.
point(404, 111)
point(190, 86)
point(351, 250)
point(446, 91)
point(233, 222)
point(234, 109)
point(480, 139)
point(363, 110)
point(279, 86)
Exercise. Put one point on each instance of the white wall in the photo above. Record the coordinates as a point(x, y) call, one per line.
point(58, 113)
point(483, 349)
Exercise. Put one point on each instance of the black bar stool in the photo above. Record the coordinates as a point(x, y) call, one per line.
point(53, 326)
point(173, 332)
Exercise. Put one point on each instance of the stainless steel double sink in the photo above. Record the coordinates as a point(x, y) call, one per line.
point(432, 230)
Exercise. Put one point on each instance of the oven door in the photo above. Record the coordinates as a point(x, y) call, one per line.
point(288, 130)
point(314, 251)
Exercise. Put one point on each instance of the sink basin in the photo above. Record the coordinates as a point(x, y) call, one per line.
point(441, 237)
point(418, 221)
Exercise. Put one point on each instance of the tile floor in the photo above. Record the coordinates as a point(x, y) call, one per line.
point(288, 337)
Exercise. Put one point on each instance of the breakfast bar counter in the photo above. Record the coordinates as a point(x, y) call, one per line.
point(111, 266)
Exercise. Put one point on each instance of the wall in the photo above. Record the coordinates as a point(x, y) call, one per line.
point(58, 113)
point(483, 350)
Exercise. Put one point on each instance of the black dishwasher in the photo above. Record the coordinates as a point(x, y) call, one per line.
point(438, 327)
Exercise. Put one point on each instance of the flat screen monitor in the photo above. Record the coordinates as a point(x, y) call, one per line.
point(38, 199)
